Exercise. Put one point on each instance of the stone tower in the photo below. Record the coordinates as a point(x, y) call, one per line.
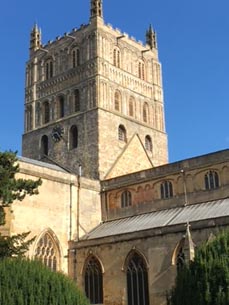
point(89, 93)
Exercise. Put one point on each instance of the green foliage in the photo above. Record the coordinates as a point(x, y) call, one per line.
point(14, 246)
point(206, 280)
point(24, 282)
point(12, 188)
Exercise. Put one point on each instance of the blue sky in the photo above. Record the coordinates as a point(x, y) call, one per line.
point(193, 43)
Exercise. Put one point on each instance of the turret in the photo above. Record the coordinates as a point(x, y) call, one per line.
point(35, 39)
point(96, 8)
point(151, 38)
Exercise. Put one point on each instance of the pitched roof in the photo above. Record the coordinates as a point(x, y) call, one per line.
point(163, 218)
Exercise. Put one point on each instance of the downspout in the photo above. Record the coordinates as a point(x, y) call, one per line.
point(70, 212)
point(78, 204)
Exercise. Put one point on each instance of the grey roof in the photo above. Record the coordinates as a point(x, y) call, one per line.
point(42, 164)
point(163, 218)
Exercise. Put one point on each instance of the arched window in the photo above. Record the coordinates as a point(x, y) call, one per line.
point(166, 190)
point(122, 133)
point(148, 143)
point(137, 280)
point(116, 57)
point(60, 107)
point(131, 106)
point(141, 70)
point(73, 137)
point(49, 69)
point(46, 112)
point(93, 280)
point(75, 58)
point(117, 98)
point(76, 100)
point(47, 251)
point(145, 113)
point(44, 145)
point(211, 180)
point(126, 199)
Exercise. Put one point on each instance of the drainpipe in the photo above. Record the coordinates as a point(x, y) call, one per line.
point(70, 212)
point(78, 203)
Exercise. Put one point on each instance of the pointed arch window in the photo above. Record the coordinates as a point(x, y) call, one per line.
point(60, 107)
point(47, 251)
point(73, 137)
point(46, 112)
point(76, 100)
point(122, 133)
point(166, 190)
point(93, 280)
point(75, 58)
point(44, 145)
point(126, 199)
point(145, 113)
point(137, 280)
point(117, 99)
point(148, 143)
point(211, 180)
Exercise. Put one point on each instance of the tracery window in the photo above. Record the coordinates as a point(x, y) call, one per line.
point(93, 280)
point(49, 69)
point(166, 190)
point(47, 251)
point(126, 199)
point(76, 100)
point(46, 112)
point(211, 180)
point(117, 99)
point(148, 143)
point(73, 137)
point(60, 107)
point(137, 281)
point(44, 145)
point(122, 133)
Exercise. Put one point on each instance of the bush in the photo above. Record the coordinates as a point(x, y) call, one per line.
point(206, 280)
point(24, 282)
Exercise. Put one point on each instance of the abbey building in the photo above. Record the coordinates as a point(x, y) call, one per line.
point(111, 212)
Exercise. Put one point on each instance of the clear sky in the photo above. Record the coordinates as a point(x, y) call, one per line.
point(193, 42)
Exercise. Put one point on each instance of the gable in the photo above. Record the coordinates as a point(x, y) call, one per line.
point(133, 158)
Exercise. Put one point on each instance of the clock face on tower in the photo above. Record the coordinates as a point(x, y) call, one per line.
point(57, 133)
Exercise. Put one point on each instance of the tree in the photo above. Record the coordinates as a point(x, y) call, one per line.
point(12, 188)
point(24, 282)
point(206, 280)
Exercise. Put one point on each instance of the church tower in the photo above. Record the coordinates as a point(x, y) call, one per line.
point(89, 94)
